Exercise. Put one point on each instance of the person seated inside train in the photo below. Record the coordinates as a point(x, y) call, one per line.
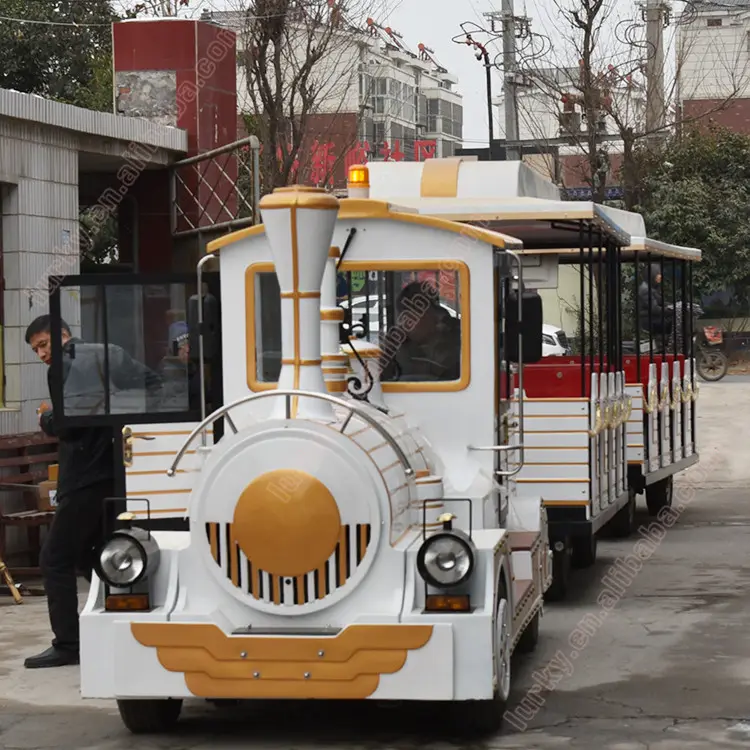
point(425, 342)
point(181, 378)
point(653, 300)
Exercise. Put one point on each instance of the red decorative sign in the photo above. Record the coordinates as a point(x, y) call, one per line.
point(424, 150)
point(322, 163)
point(392, 154)
point(357, 155)
point(317, 163)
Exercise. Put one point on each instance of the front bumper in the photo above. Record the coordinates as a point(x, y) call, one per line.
point(381, 661)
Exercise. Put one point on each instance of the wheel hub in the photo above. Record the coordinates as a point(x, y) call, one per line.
point(503, 650)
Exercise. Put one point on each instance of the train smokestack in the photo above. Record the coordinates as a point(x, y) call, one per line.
point(299, 223)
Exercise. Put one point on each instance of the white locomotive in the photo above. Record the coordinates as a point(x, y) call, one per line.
point(340, 546)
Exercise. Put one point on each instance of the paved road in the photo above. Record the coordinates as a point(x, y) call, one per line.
point(667, 669)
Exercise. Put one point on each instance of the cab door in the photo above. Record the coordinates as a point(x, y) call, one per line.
point(134, 367)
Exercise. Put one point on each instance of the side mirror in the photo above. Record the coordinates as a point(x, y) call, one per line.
point(530, 326)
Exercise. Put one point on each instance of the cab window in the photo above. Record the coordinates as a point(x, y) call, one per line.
point(413, 314)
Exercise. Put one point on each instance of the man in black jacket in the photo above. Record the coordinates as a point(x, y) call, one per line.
point(425, 342)
point(85, 479)
point(653, 300)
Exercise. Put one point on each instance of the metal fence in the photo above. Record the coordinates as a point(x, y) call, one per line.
point(216, 190)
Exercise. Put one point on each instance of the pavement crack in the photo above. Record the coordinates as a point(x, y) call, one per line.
point(619, 704)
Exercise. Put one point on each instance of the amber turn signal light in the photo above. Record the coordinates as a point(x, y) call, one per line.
point(445, 603)
point(127, 603)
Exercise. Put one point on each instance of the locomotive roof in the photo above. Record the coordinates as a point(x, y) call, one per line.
point(356, 208)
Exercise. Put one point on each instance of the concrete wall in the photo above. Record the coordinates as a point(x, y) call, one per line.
point(39, 178)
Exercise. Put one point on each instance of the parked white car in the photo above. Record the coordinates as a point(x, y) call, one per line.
point(554, 342)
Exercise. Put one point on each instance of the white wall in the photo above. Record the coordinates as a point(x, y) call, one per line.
point(714, 62)
point(538, 113)
point(335, 77)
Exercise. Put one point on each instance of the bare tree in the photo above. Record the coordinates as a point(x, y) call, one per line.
point(301, 63)
point(597, 82)
point(161, 8)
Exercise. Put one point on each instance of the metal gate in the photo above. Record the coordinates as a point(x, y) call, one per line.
point(216, 190)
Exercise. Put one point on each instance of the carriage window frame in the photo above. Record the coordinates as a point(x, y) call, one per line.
point(459, 267)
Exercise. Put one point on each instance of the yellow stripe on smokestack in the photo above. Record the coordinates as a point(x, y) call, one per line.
point(299, 223)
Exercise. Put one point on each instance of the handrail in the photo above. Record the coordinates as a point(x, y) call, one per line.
point(511, 473)
point(289, 394)
point(199, 272)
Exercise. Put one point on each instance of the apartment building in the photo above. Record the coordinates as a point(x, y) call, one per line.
point(551, 118)
point(713, 63)
point(383, 101)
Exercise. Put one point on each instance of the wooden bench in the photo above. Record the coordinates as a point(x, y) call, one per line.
point(29, 457)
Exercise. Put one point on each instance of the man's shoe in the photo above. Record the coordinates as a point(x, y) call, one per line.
point(52, 657)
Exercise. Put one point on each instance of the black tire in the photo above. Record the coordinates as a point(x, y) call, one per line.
point(623, 524)
point(584, 551)
point(479, 719)
point(561, 564)
point(712, 365)
point(659, 495)
point(530, 638)
point(150, 716)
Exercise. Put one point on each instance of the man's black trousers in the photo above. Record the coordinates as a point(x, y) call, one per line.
point(69, 546)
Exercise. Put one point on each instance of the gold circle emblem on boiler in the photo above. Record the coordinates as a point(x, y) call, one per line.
point(287, 523)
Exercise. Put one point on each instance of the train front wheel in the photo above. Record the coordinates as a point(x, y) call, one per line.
point(151, 716)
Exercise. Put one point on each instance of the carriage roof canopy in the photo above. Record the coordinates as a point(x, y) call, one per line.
point(512, 198)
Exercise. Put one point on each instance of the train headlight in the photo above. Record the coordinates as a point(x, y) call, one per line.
point(446, 559)
point(127, 557)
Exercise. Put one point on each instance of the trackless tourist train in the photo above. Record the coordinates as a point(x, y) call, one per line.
point(309, 515)
point(346, 470)
point(618, 417)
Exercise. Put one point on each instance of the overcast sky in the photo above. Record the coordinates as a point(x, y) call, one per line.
point(436, 22)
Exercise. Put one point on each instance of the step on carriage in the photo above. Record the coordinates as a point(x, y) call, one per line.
point(296, 518)
point(599, 426)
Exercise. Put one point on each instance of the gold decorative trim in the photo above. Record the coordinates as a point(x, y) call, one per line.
point(346, 666)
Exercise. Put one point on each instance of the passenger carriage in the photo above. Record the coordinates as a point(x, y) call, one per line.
point(311, 526)
point(661, 374)
point(596, 432)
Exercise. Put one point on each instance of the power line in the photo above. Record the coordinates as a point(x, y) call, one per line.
point(51, 23)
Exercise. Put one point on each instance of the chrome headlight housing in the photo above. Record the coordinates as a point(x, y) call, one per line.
point(127, 557)
point(446, 559)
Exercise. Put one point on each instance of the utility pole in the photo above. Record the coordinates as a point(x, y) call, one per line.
point(509, 82)
point(508, 20)
point(656, 14)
